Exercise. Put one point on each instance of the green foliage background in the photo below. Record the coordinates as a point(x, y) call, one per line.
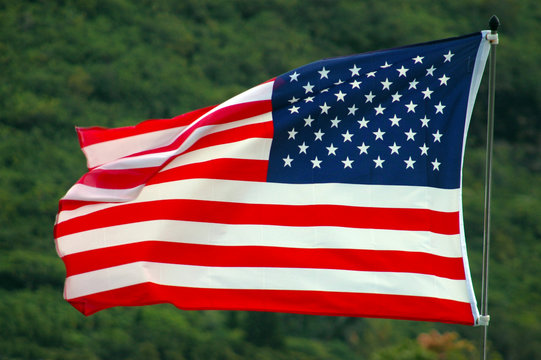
point(118, 62)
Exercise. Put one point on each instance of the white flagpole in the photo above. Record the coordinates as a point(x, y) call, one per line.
point(493, 38)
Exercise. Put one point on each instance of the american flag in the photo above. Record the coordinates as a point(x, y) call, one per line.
point(333, 189)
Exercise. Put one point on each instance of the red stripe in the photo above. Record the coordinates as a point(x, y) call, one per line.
point(67, 205)
point(285, 215)
point(93, 135)
point(224, 169)
point(129, 178)
point(265, 256)
point(300, 302)
point(117, 179)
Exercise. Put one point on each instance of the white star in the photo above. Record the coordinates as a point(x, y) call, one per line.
point(396, 97)
point(443, 80)
point(369, 97)
point(293, 100)
point(379, 162)
point(324, 108)
point(340, 96)
point(411, 106)
point(425, 121)
point(292, 134)
point(402, 71)
point(411, 135)
point(352, 110)
point(355, 84)
point(347, 136)
point(379, 134)
point(437, 136)
point(430, 71)
point(436, 165)
point(294, 76)
point(395, 120)
point(309, 99)
point(323, 72)
point(294, 109)
point(394, 148)
point(418, 59)
point(363, 123)
point(303, 147)
point(386, 65)
point(386, 84)
point(354, 70)
point(319, 135)
point(332, 149)
point(315, 163)
point(439, 108)
point(363, 148)
point(448, 56)
point(339, 82)
point(413, 84)
point(308, 121)
point(308, 88)
point(287, 161)
point(347, 162)
point(424, 149)
point(379, 109)
point(409, 163)
point(335, 122)
point(427, 93)
point(324, 90)
point(371, 74)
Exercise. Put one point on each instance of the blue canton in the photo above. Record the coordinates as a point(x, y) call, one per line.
point(391, 117)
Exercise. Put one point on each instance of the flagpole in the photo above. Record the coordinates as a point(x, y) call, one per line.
point(493, 38)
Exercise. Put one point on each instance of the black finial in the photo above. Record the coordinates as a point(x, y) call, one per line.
point(494, 23)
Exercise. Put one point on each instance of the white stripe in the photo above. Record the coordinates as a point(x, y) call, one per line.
point(260, 92)
point(157, 159)
point(90, 193)
point(265, 279)
point(104, 152)
point(325, 237)
point(249, 149)
point(480, 62)
point(379, 196)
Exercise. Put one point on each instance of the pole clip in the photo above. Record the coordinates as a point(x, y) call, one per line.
point(492, 38)
point(483, 320)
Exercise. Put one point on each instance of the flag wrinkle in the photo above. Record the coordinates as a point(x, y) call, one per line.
point(132, 171)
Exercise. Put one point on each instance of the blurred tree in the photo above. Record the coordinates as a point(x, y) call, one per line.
point(117, 62)
point(263, 329)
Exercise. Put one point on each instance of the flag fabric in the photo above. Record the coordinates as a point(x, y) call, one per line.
point(333, 189)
